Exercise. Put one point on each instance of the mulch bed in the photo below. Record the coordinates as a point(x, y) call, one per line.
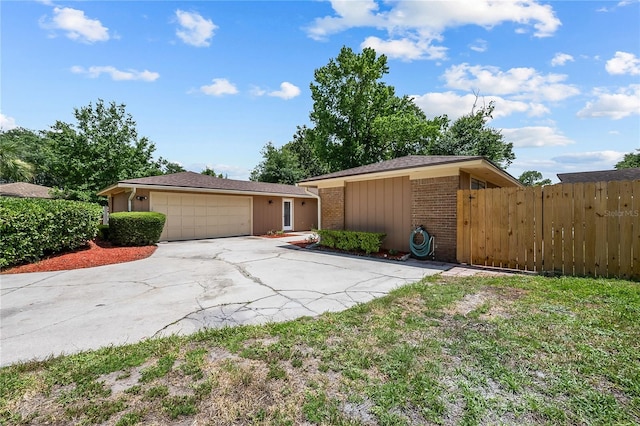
point(95, 253)
point(382, 254)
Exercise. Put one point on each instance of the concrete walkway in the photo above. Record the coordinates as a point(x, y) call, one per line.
point(184, 287)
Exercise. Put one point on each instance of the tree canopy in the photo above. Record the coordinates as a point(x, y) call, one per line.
point(470, 135)
point(210, 172)
point(630, 160)
point(279, 166)
point(99, 149)
point(12, 167)
point(533, 178)
point(358, 119)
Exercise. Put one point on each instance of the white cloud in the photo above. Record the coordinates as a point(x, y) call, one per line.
point(624, 103)
point(479, 45)
point(349, 14)
point(593, 158)
point(535, 136)
point(194, 29)
point(519, 83)
point(287, 91)
point(219, 87)
point(7, 123)
point(257, 91)
point(77, 26)
point(116, 74)
point(413, 26)
point(623, 63)
point(622, 3)
point(405, 49)
point(454, 105)
point(561, 59)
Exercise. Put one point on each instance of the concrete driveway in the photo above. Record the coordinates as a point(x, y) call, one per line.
point(184, 287)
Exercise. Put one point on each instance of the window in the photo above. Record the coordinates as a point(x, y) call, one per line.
point(478, 184)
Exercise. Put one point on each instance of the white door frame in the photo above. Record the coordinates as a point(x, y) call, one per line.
point(286, 227)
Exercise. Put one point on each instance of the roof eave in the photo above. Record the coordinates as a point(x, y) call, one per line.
point(125, 185)
point(414, 170)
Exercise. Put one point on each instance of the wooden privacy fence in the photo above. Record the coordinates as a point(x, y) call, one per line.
point(583, 229)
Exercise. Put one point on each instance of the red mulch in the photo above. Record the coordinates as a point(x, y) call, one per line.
point(96, 253)
point(382, 254)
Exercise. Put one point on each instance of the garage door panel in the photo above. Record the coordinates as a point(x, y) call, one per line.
point(191, 216)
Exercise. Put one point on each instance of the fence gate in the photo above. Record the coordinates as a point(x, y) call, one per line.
point(583, 229)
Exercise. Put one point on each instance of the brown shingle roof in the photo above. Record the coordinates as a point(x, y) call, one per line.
point(400, 163)
point(24, 190)
point(600, 176)
point(198, 180)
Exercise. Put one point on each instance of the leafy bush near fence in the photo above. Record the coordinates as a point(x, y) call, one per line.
point(31, 228)
point(135, 228)
point(369, 242)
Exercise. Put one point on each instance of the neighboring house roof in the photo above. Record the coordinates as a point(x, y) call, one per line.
point(412, 163)
point(600, 176)
point(191, 181)
point(24, 190)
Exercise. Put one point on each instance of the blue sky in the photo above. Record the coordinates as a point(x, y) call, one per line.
point(211, 82)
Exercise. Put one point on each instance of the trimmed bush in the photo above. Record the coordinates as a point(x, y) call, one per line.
point(31, 228)
point(135, 228)
point(369, 242)
point(103, 232)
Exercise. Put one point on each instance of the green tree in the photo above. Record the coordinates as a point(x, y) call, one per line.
point(279, 166)
point(12, 167)
point(210, 172)
point(629, 161)
point(302, 145)
point(470, 135)
point(169, 167)
point(358, 118)
point(101, 149)
point(533, 178)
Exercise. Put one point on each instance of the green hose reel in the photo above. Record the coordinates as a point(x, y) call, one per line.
point(426, 248)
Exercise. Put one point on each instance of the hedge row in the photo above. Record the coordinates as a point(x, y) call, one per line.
point(31, 228)
point(369, 242)
point(135, 228)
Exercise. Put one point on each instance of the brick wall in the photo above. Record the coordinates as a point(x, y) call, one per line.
point(332, 207)
point(433, 204)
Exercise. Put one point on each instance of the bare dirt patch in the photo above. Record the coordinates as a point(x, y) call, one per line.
point(497, 302)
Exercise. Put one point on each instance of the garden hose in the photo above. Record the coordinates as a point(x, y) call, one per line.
point(425, 248)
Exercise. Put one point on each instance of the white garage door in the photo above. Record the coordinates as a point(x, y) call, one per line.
point(193, 216)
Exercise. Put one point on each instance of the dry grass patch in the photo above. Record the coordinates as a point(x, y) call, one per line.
point(494, 350)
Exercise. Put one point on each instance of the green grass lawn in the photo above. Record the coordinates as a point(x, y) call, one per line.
point(501, 350)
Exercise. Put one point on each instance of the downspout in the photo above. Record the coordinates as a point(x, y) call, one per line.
point(133, 194)
point(317, 197)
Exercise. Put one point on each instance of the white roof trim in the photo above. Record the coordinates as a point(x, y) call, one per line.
point(201, 190)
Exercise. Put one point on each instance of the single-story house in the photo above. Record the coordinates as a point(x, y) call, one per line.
point(24, 190)
point(600, 175)
point(201, 206)
point(396, 196)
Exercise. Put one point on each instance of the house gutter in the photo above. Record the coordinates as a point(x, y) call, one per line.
point(133, 194)
point(317, 197)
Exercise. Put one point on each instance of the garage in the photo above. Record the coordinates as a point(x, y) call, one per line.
point(199, 206)
point(195, 216)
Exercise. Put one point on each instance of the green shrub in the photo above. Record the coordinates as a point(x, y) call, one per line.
point(31, 228)
point(369, 242)
point(135, 228)
point(103, 232)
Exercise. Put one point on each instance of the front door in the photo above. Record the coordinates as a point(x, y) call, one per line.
point(287, 215)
